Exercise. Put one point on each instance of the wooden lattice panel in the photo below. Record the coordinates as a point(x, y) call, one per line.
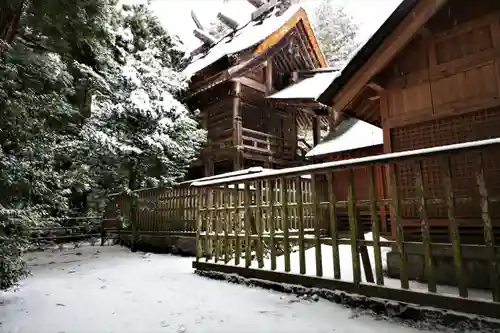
point(484, 124)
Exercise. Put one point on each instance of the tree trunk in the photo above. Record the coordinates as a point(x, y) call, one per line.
point(10, 16)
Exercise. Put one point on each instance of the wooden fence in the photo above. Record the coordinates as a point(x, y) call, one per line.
point(172, 212)
point(269, 229)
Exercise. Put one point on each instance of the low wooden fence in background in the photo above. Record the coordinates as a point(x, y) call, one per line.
point(171, 212)
point(259, 235)
point(60, 230)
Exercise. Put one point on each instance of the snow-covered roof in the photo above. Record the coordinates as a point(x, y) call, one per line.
point(309, 88)
point(355, 134)
point(365, 49)
point(247, 35)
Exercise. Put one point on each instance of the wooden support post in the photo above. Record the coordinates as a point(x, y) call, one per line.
point(247, 225)
point(269, 77)
point(237, 128)
point(271, 221)
point(216, 225)
point(426, 233)
point(237, 224)
point(200, 213)
point(285, 214)
point(453, 227)
point(133, 222)
point(398, 225)
point(317, 225)
point(489, 240)
point(332, 200)
point(227, 223)
point(375, 225)
point(209, 224)
point(353, 229)
point(259, 224)
point(316, 130)
point(209, 167)
point(300, 212)
point(103, 232)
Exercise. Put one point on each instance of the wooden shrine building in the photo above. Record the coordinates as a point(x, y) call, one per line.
point(231, 78)
point(430, 77)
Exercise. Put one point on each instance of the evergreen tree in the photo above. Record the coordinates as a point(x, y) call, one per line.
point(44, 45)
point(335, 30)
point(147, 137)
point(89, 102)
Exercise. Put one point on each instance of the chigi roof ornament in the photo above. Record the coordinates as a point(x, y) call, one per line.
point(196, 20)
point(229, 22)
point(257, 3)
point(263, 9)
point(206, 38)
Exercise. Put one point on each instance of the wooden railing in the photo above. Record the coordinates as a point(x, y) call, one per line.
point(275, 222)
point(153, 212)
point(220, 140)
point(265, 144)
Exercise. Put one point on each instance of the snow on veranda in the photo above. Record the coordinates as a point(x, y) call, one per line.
point(95, 289)
point(346, 270)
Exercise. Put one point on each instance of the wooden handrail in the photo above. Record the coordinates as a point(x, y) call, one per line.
point(359, 162)
point(266, 135)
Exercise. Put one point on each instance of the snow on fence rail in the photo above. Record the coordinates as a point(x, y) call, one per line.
point(425, 190)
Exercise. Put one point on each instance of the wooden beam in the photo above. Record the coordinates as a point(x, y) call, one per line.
point(269, 77)
point(396, 41)
point(308, 51)
point(250, 83)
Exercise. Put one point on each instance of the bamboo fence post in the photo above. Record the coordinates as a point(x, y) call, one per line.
point(403, 271)
point(332, 201)
point(426, 235)
point(375, 226)
point(489, 240)
point(453, 227)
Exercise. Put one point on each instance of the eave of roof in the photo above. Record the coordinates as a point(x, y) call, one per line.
point(307, 89)
point(366, 51)
point(297, 13)
point(351, 134)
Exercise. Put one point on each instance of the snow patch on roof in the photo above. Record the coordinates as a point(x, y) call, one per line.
point(309, 88)
point(359, 135)
point(249, 34)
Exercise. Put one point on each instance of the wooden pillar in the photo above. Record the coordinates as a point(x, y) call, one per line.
point(206, 157)
point(332, 118)
point(269, 77)
point(237, 128)
point(316, 130)
point(208, 163)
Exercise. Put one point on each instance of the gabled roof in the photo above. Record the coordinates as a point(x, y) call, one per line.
point(349, 135)
point(261, 34)
point(366, 50)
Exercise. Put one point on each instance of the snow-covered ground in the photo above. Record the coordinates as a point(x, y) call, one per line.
point(108, 289)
